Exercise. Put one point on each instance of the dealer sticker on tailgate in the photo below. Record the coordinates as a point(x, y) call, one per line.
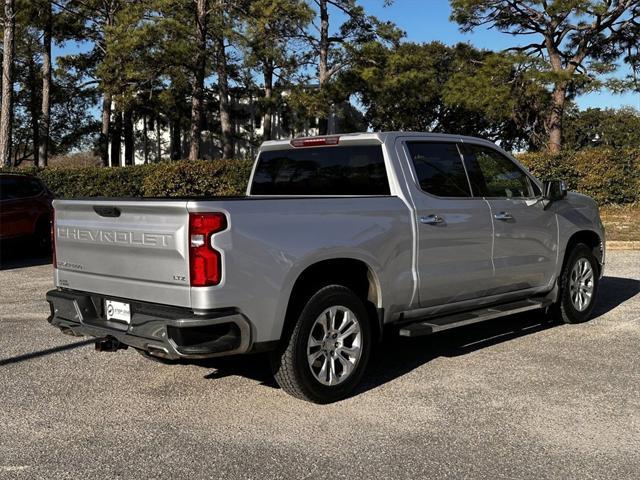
point(117, 311)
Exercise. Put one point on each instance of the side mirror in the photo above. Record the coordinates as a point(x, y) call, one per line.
point(554, 190)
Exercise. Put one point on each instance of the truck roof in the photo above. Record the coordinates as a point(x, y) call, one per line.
point(369, 138)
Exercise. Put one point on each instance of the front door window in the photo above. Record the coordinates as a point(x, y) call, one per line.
point(495, 176)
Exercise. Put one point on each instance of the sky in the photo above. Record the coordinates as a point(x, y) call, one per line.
point(428, 20)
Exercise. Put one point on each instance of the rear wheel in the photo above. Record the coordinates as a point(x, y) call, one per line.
point(578, 286)
point(327, 353)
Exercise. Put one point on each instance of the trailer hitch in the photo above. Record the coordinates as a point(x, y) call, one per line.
point(109, 344)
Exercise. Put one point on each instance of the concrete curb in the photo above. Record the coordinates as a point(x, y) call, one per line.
point(623, 245)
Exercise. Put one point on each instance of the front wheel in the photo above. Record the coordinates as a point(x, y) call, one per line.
point(578, 286)
point(327, 353)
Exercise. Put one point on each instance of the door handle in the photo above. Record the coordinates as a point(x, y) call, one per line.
point(432, 220)
point(503, 216)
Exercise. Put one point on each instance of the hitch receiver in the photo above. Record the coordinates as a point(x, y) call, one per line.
point(109, 344)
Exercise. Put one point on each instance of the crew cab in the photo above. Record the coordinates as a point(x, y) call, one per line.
point(339, 241)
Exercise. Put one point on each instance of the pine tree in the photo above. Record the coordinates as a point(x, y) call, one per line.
point(578, 39)
point(6, 112)
point(272, 45)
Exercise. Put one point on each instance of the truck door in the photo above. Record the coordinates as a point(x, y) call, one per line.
point(454, 227)
point(526, 235)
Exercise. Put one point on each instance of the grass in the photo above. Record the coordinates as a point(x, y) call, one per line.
point(621, 222)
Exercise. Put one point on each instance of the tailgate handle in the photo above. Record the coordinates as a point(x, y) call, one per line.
point(107, 211)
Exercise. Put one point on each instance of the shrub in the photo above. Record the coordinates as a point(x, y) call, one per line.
point(201, 178)
point(608, 175)
point(78, 160)
point(94, 181)
point(170, 179)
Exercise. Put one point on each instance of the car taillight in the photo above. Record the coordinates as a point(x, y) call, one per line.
point(205, 261)
point(53, 239)
point(315, 141)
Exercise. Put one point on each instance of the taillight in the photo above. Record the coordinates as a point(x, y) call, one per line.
point(53, 239)
point(205, 261)
point(315, 141)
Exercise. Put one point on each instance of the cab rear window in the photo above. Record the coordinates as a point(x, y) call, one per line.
point(354, 170)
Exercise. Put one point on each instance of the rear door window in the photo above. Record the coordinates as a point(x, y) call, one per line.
point(439, 168)
point(353, 170)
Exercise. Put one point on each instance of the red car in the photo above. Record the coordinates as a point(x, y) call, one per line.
point(25, 209)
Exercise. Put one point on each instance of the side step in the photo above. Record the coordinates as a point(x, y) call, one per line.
point(439, 324)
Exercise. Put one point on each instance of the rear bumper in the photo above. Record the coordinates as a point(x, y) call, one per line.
point(162, 331)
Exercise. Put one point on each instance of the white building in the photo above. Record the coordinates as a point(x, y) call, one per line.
point(247, 132)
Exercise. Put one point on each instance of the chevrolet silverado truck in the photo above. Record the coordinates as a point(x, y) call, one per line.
point(339, 240)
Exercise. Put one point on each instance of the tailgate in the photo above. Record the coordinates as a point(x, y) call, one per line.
point(132, 249)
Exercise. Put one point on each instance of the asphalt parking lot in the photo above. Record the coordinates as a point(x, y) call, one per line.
point(512, 398)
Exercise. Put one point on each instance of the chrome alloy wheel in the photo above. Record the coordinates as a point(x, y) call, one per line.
point(335, 345)
point(581, 284)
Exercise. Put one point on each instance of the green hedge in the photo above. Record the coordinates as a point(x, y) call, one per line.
point(169, 179)
point(201, 178)
point(608, 175)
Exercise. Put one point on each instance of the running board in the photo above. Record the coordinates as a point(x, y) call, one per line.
point(439, 324)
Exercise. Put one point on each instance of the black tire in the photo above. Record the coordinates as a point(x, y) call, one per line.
point(290, 363)
point(564, 309)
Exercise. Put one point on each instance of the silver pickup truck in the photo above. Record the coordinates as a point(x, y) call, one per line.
point(339, 240)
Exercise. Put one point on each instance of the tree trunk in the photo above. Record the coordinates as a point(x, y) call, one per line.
point(197, 100)
point(176, 139)
point(46, 89)
point(129, 144)
point(252, 122)
point(116, 139)
point(158, 140)
point(268, 96)
point(554, 121)
point(171, 136)
point(106, 127)
point(323, 66)
point(106, 130)
point(223, 90)
point(34, 108)
point(6, 112)
point(145, 139)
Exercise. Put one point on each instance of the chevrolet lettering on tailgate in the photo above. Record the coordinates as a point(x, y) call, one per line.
point(116, 236)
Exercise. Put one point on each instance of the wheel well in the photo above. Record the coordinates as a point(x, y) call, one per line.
point(351, 273)
point(590, 238)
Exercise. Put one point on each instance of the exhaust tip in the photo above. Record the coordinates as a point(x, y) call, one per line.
point(158, 351)
point(70, 332)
